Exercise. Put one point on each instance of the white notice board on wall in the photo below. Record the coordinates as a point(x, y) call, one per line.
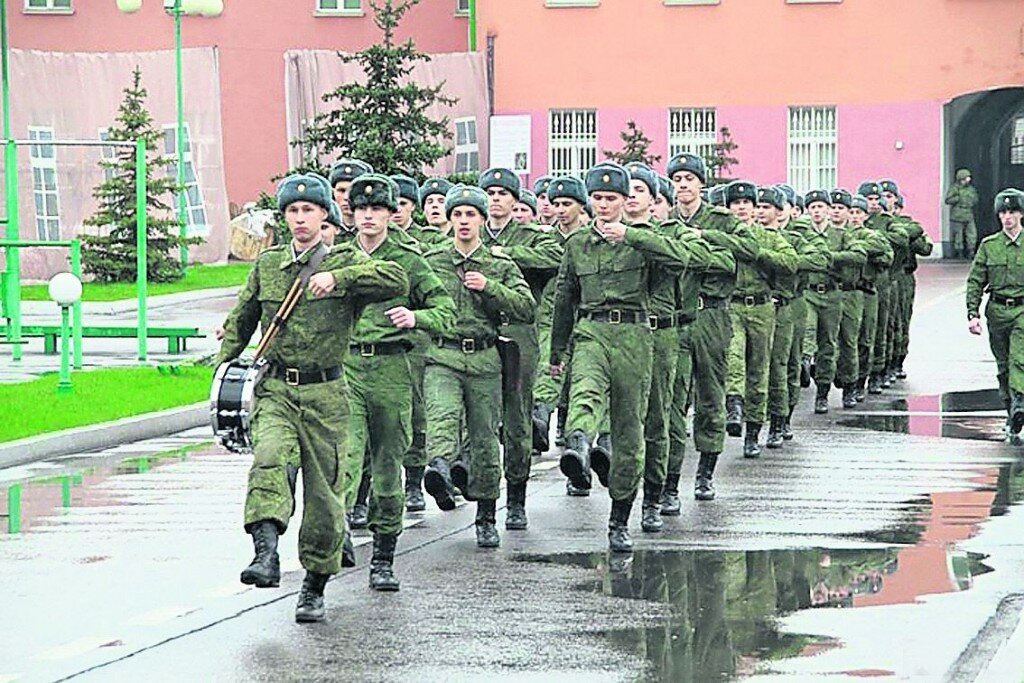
point(510, 143)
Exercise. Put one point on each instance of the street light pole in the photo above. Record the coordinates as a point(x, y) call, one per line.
point(180, 144)
point(12, 298)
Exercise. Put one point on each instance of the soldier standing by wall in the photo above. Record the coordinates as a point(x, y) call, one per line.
point(962, 198)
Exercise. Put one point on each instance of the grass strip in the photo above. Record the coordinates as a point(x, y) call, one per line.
point(197, 277)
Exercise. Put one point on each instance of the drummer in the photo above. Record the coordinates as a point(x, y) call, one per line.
point(302, 404)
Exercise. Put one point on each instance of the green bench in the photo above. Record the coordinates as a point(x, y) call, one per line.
point(175, 336)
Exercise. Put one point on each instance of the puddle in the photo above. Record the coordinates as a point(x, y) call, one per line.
point(975, 415)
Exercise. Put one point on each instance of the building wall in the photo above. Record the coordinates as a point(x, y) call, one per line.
point(251, 44)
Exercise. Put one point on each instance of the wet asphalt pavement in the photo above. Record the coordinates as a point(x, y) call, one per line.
point(883, 542)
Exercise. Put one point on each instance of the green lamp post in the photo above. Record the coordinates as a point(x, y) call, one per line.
point(66, 290)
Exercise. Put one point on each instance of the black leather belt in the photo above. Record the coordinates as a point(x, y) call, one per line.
point(843, 287)
point(466, 344)
point(781, 301)
point(665, 322)
point(684, 318)
point(617, 316)
point(867, 288)
point(297, 377)
point(821, 288)
point(1006, 300)
point(754, 300)
point(711, 302)
point(379, 349)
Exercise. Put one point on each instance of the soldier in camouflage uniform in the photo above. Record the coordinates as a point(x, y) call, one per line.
point(341, 175)
point(545, 210)
point(379, 372)
point(463, 383)
point(901, 285)
point(919, 246)
point(961, 199)
point(664, 200)
point(998, 269)
point(438, 230)
point(524, 211)
point(302, 411)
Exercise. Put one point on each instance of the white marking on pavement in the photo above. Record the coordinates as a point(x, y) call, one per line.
point(543, 466)
point(160, 615)
point(75, 648)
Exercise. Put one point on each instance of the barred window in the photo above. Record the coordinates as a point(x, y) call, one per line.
point(572, 141)
point(43, 159)
point(1017, 142)
point(194, 206)
point(694, 131)
point(813, 146)
point(467, 147)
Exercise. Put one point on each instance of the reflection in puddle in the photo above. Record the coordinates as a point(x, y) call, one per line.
point(975, 415)
point(724, 605)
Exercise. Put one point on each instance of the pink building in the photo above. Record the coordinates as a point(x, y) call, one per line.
point(816, 93)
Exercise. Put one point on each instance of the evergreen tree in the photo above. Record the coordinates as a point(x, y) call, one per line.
point(111, 255)
point(635, 147)
point(722, 160)
point(383, 120)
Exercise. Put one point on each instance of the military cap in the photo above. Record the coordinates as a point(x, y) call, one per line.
point(466, 195)
point(687, 162)
point(799, 201)
point(740, 189)
point(645, 174)
point(407, 188)
point(705, 194)
point(787, 191)
point(884, 203)
point(859, 201)
point(716, 195)
point(608, 177)
point(334, 214)
point(530, 199)
point(304, 187)
point(540, 186)
point(841, 197)
point(870, 187)
point(771, 195)
point(900, 202)
point(666, 189)
point(589, 208)
point(817, 196)
point(889, 186)
point(348, 169)
point(963, 174)
point(373, 189)
point(434, 185)
point(501, 177)
point(569, 187)
point(1009, 199)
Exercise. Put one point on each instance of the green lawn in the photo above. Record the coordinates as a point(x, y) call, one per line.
point(31, 408)
point(197, 277)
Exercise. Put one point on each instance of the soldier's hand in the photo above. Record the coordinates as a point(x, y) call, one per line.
point(401, 317)
point(321, 284)
point(974, 325)
point(219, 332)
point(556, 370)
point(498, 250)
point(614, 232)
point(475, 281)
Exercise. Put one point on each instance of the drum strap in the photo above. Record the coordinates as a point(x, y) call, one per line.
point(290, 301)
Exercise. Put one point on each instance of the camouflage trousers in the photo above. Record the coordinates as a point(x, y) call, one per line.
point(880, 359)
point(821, 335)
point(660, 403)
point(782, 349)
point(610, 381)
point(681, 398)
point(908, 287)
point(796, 349)
point(546, 389)
point(381, 402)
point(416, 455)
point(850, 328)
point(1006, 339)
point(517, 406)
point(301, 428)
point(868, 329)
point(750, 357)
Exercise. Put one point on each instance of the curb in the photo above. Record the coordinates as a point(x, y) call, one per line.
point(132, 305)
point(104, 435)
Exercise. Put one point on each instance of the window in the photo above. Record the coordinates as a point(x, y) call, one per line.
point(107, 153)
point(1017, 142)
point(813, 141)
point(55, 6)
point(44, 184)
point(194, 206)
point(342, 7)
point(692, 130)
point(572, 3)
point(461, 7)
point(572, 141)
point(467, 148)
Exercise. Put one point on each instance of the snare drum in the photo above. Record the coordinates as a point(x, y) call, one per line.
point(233, 400)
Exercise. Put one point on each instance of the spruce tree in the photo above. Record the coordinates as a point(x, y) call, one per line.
point(635, 147)
point(721, 161)
point(111, 255)
point(383, 119)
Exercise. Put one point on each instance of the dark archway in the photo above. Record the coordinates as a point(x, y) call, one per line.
point(979, 134)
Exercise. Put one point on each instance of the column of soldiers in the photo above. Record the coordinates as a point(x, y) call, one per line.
point(433, 357)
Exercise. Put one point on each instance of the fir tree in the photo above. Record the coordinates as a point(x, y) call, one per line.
point(721, 160)
point(383, 120)
point(635, 147)
point(111, 255)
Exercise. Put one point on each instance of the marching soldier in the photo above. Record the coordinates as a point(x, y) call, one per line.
point(919, 246)
point(524, 211)
point(438, 230)
point(900, 286)
point(664, 200)
point(341, 175)
point(603, 304)
point(545, 210)
point(998, 269)
point(301, 419)
point(463, 370)
point(380, 375)
point(538, 255)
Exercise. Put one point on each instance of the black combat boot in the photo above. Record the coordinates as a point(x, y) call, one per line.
point(884, 380)
point(751, 449)
point(850, 396)
point(734, 415)
point(414, 501)
point(515, 511)
point(561, 415)
point(821, 400)
point(805, 372)
point(265, 569)
point(601, 458)
point(438, 482)
point(650, 520)
point(670, 505)
point(360, 516)
point(486, 531)
point(460, 476)
point(787, 428)
point(874, 384)
point(859, 391)
point(382, 572)
point(775, 438)
point(311, 598)
point(900, 372)
point(541, 425)
point(575, 462)
point(704, 487)
point(571, 490)
point(618, 527)
point(1016, 412)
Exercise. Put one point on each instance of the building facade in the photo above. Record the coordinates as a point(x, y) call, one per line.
point(817, 93)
